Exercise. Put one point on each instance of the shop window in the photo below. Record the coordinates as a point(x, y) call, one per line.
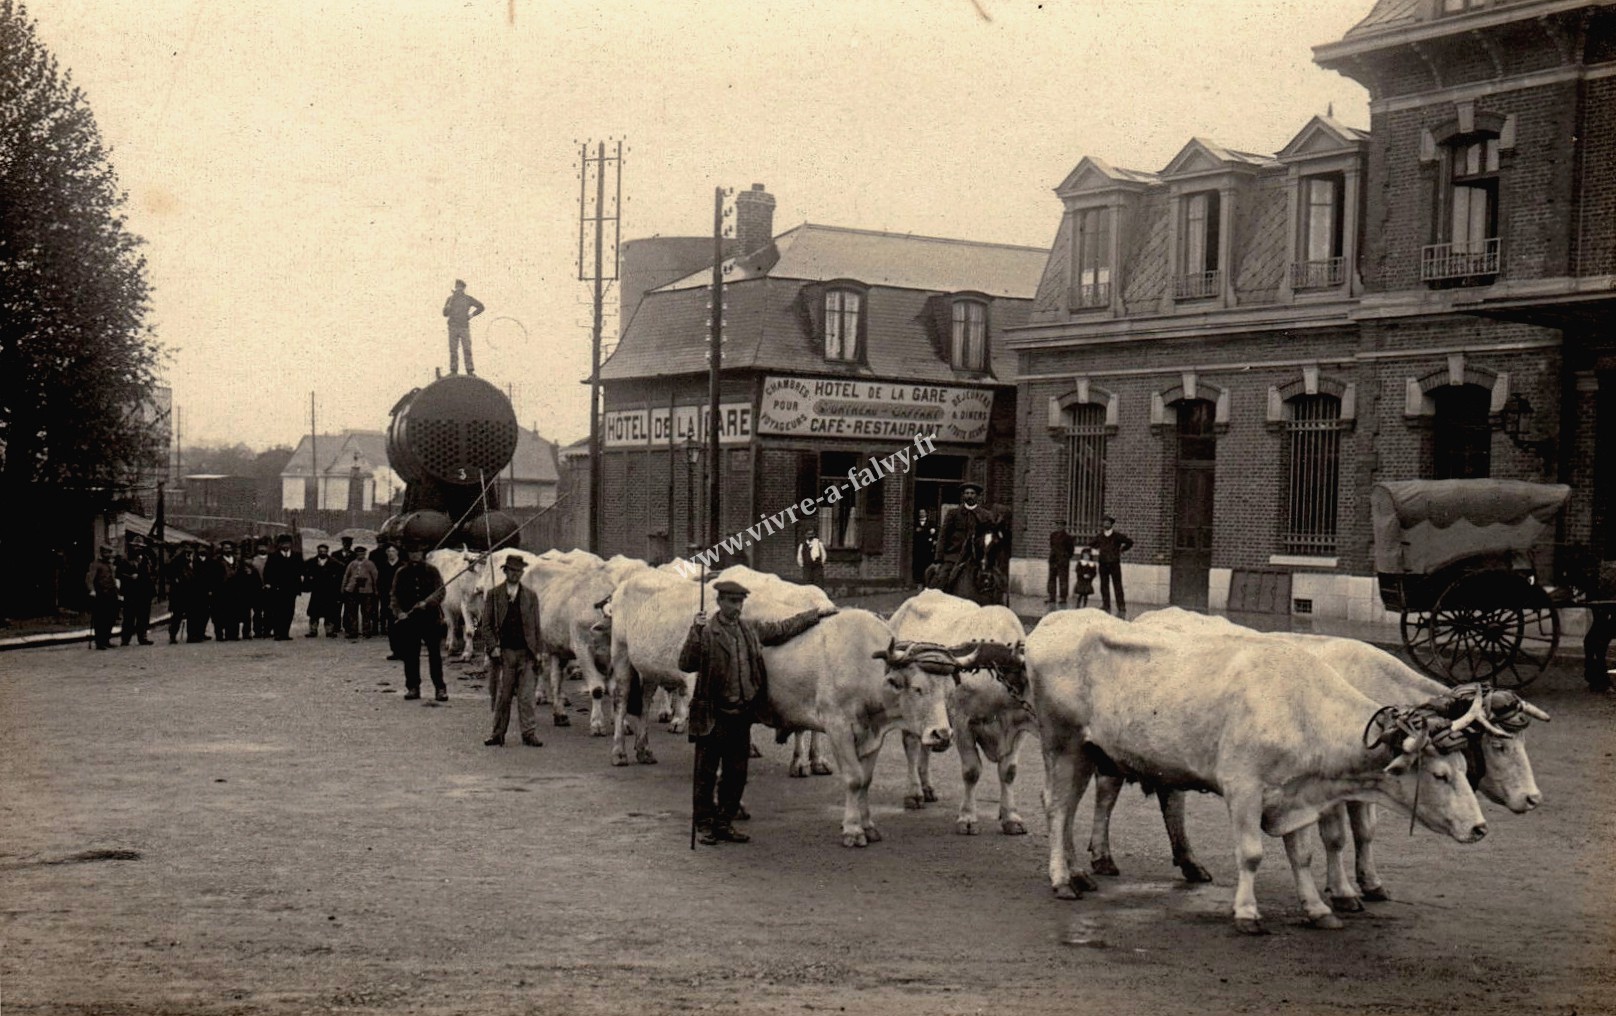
point(839, 522)
point(1461, 433)
point(970, 335)
point(1313, 435)
point(1085, 447)
point(843, 321)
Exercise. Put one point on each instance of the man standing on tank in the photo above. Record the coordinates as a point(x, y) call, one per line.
point(460, 308)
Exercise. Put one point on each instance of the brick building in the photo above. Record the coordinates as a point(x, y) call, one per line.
point(1228, 353)
point(840, 344)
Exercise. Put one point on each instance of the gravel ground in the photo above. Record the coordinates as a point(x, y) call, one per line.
point(268, 828)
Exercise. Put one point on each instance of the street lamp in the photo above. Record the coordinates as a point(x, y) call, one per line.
point(692, 456)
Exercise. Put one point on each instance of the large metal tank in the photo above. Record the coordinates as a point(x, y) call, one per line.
point(459, 430)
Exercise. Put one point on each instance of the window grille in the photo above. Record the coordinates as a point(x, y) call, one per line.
point(1314, 436)
point(1085, 446)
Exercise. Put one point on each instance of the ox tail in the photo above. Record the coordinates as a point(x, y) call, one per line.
point(636, 693)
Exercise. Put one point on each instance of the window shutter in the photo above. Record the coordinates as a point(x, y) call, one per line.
point(807, 475)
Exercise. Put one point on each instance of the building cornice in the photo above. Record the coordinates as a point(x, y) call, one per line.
point(1492, 86)
point(1281, 317)
point(1458, 24)
point(1561, 290)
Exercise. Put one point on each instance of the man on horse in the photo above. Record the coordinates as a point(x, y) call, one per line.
point(961, 545)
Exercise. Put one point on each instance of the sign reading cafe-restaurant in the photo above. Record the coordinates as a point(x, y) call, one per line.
point(847, 407)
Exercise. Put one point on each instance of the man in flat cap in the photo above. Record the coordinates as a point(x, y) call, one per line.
point(283, 580)
point(101, 582)
point(417, 605)
point(1109, 546)
point(726, 655)
point(460, 308)
point(509, 633)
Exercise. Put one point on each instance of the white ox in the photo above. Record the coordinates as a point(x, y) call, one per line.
point(987, 719)
point(1497, 764)
point(569, 587)
point(1267, 726)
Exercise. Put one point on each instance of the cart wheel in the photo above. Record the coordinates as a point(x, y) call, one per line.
point(1416, 626)
point(1495, 626)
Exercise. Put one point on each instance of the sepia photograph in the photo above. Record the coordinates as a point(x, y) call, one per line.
point(942, 490)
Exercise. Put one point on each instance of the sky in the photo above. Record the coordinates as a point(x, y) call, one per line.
point(311, 176)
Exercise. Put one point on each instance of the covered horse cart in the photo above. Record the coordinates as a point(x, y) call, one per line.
point(1458, 560)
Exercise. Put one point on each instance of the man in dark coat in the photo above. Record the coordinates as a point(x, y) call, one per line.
point(925, 547)
point(344, 554)
point(509, 633)
point(731, 683)
point(1061, 548)
point(101, 581)
point(259, 627)
point(137, 580)
point(181, 576)
point(322, 577)
point(239, 584)
point(387, 558)
point(205, 585)
point(1109, 545)
point(417, 606)
point(283, 580)
point(960, 541)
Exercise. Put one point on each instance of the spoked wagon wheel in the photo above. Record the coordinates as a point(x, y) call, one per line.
point(1494, 626)
point(1417, 640)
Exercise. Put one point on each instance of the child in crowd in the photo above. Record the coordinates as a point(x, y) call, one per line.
point(1086, 570)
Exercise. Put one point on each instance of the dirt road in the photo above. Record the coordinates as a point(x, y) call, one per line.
point(262, 828)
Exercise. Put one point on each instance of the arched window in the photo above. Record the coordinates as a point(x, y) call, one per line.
point(1461, 433)
point(1313, 426)
point(1085, 446)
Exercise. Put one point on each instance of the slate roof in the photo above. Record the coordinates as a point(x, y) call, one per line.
point(768, 324)
point(534, 460)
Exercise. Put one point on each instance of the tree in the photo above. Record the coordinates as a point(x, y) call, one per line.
point(76, 356)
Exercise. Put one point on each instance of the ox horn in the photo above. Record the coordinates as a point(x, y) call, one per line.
point(888, 653)
point(1533, 711)
point(1477, 714)
point(965, 653)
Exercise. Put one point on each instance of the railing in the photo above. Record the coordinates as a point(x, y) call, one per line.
point(1093, 294)
point(1325, 274)
point(1198, 285)
point(1459, 260)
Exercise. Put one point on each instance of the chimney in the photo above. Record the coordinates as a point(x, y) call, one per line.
point(754, 219)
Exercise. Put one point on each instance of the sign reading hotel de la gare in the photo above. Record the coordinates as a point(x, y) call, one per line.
point(637, 428)
point(844, 407)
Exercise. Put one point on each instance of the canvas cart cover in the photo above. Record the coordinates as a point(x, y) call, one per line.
point(1421, 526)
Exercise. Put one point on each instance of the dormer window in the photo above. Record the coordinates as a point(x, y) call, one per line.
point(1320, 263)
point(842, 325)
point(1091, 275)
point(1198, 272)
point(1467, 212)
point(970, 335)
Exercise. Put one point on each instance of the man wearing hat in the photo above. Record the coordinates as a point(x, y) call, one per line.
point(181, 577)
point(137, 582)
point(101, 581)
point(417, 605)
point(509, 633)
point(283, 579)
point(731, 684)
point(1109, 545)
point(460, 308)
point(959, 543)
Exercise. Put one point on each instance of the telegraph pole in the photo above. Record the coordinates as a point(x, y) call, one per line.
point(715, 357)
point(600, 276)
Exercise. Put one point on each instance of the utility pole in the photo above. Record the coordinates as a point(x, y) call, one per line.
point(715, 359)
point(314, 453)
point(599, 165)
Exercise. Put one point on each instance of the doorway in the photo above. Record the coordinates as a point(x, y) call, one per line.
point(1192, 504)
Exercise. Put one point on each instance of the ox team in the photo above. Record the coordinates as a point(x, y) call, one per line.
point(1175, 700)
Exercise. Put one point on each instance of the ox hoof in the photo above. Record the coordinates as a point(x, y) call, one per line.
point(820, 768)
point(597, 731)
point(644, 757)
point(1066, 891)
point(1249, 926)
point(1193, 872)
point(1376, 895)
point(1325, 922)
point(1081, 880)
point(678, 727)
point(1013, 827)
point(857, 839)
point(1346, 904)
point(563, 720)
point(929, 794)
point(1104, 866)
point(872, 834)
point(965, 827)
point(912, 803)
point(798, 771)
point(664, 716)
point(619, 759)
point(753, 752)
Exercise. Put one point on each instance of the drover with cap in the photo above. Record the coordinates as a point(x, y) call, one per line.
point(726, 656)
point(509, 633)
point(959, 544)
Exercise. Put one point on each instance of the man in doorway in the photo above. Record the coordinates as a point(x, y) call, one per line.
point(509, 631)
point(811, 558)
point(1109, 546)
point(727, 658)
point(1061, 548)
point(460, 308)
point(959, 543)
